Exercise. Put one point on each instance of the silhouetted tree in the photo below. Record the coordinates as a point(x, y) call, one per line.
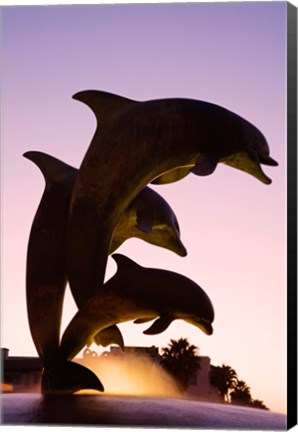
point(241, 394)
point(224, 378)
point(256, 403)
point(181, 361)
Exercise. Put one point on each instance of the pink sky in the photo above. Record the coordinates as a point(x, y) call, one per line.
point(233, 226)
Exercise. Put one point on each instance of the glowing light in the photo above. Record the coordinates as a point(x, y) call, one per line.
point(6, 388)
point(130, 374)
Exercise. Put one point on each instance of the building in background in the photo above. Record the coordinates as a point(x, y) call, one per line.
point(20, 374)
point(200, 387)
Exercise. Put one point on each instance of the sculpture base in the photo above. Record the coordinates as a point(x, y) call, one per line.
point(133, 411)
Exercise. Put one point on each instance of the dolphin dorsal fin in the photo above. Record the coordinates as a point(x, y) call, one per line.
point(52, 169)
point(125, 264)
point(106, 106)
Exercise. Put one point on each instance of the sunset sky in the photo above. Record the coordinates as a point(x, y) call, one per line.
point(233, 226)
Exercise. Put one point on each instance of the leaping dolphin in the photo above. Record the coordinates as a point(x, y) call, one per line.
point(46, 255)
point(141, 294)
point(136, 143)
point(46, 278)
point(149, 217)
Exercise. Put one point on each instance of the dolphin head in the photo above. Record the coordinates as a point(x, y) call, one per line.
point(196, 307)
point(156, 221)
point(178, 298)
point(200, 312)
point(252, 155)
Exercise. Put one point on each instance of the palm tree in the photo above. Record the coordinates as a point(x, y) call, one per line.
point(180, 360)
point(256, 403)
point(241, 394)
point(224, 378)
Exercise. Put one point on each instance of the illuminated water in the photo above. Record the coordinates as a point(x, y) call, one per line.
point(131, 374)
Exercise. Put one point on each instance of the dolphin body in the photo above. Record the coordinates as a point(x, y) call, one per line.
point(136, 143)
point(149, 217)
point(140, 294)
point(46, 279)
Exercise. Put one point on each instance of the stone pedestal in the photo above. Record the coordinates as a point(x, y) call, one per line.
point(133, 411)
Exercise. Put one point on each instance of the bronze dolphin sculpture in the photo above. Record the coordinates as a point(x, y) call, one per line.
point(134, 144)
point(141, 294)
point(149, 217)
point(46, 279)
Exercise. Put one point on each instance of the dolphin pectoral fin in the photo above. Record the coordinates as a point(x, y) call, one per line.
point(172, 176)
point(108, 336)
point(205, 165)
point(142, 320)
point(69, 377)
point(159, 325)
point(106, 106)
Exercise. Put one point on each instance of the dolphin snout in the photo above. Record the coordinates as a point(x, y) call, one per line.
point(250, 163)
point(181, 250)
point(267, 160)
point(177, 246)
point(206, 327)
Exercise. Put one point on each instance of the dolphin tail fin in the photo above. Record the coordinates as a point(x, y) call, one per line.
point(106, 106)
point(69, 377)
point(52, 169)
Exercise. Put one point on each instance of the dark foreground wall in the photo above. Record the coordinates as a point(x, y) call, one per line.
point(133, 411)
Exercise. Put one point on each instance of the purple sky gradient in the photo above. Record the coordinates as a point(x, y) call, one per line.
point(232, 54)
